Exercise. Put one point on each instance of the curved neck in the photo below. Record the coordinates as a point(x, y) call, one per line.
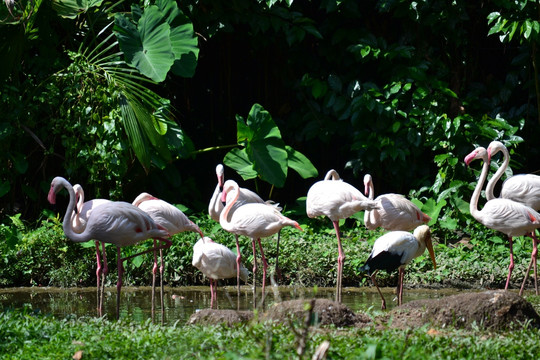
point(225, 224)
point(473, 206)
point(332, 175)
point(491, 183)
point(67, 223)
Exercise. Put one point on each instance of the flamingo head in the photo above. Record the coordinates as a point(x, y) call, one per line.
point(142, 198)
point(56, 184)
point(367, 182)
point(220, 173)
point(478, 153)
point(494, 147)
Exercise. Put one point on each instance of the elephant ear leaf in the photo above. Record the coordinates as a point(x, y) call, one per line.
point(146, 46)
point(300, 163)
point(72, 8)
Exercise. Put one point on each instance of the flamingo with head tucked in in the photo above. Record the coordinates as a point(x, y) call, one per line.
point(255, 221)
point(395, 211)
point(509, 217)
point(117, 223)
point(523, 188)
point(336, 199)
point(216, 262)
point(171, 219)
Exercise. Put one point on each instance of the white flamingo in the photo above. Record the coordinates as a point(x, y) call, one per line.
point(171, 219)
point(394, 250)
point(336, 199)
point(255, 221)
point(216, 262)
point(395, 212)
point(523, 188)
point(117, 222)
point(509, 217)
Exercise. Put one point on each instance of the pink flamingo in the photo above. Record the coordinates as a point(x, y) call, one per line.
point(395, 212)
point(254, 221)
point(509, 217)
point(117, 223)
point(169, 217)
point(216, 261)
point(336, 199)
point(394, 250)
point(215, 207)
point(79, 219)
point(523, 188)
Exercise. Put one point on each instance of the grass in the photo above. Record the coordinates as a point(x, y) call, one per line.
point(26, 335)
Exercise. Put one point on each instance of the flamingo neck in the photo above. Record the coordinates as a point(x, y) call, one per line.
point(491, 183)
point(473, 206)
point(67, 224)
point(225, 224)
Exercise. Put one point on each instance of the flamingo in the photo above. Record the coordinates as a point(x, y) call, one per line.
point(253, 220)
point(79, 219)
point(215, 261)
point(172, 219)
point(336, 199)
point(394, 250)
point(246, 196)
point(509, 217)
point(395, 212)
point(117, 223)
point(523, 188)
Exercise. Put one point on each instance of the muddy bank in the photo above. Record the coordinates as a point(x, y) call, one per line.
point(494, 310)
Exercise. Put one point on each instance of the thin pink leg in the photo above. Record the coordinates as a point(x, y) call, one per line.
point(98, 275)
point(534, 255)
point(211, 293)
point(105, 271)
point(119, 282)
point(254, 272)
point(511, 266)
point(238, 263)
point(154, 270)
point(341, 260)
point(265, 266)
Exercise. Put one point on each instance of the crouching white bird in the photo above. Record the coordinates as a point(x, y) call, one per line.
point(216, 261)
point(394, 250)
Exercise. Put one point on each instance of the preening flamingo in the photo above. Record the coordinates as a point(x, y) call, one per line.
point(336, 199)
point(216, 206)
point(395, 211)
point(394, 250)
point(216, 262)
point(79, 219)
point(523, 188)
point(117, 223)
point(171, 219)
point(253, 220)
point(509, 217)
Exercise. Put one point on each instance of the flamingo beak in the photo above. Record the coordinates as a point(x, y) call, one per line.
point(470, 157)
point(52, 196)
point(489, 154)
point(429, 246)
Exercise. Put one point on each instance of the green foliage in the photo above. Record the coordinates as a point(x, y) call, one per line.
point(264, 153)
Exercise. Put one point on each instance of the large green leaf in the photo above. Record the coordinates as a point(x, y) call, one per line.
point(183, 40)
point(147, 46)
point(72, 8)
point(238, 160)
point(300, 163)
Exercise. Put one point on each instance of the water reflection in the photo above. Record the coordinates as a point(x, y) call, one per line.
point(181, 302)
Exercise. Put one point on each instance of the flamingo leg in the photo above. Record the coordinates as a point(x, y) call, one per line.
point(534, 256)
point(254, 272)
point(119, 282)
point(105, 271)
point(154, 270)
point(265, 266)
point(238, 263)
point(400, 285)
point(341, 260)
point(98, 275)
point(383, 304)
point(511, 266)
point(211, 293)
point(161, 269)
point(277, 270)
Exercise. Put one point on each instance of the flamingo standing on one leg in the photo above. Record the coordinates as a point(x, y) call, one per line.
point(523, 188)
point(117, 223)
point(79, 219)
point(509, 217)
point(215, 261)
point(171, 219)
point(336, 199)
point(252, 220)
point(395, 250)
point(395, 212)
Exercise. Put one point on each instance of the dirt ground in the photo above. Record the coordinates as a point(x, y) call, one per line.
point(494, 310)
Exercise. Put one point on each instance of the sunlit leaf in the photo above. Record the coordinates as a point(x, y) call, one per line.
point(72, 8)
point(300, 163)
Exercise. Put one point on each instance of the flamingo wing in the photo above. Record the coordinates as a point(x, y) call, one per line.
point(398, 213)
point(523, 188)
point(509, 217)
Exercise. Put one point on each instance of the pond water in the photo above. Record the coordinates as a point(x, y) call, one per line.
point(181, 302)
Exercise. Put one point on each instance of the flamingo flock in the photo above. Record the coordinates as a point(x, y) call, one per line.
point(243, 213)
